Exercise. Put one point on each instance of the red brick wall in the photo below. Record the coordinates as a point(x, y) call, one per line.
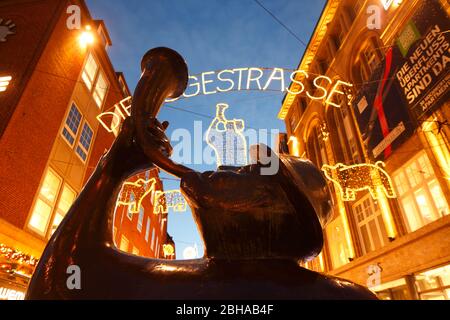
point(30, 133)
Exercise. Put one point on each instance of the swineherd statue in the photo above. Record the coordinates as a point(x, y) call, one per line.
point(255, 227)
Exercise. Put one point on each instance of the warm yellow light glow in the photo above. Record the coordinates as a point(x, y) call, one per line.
point(140, 189)
point(4, 82)
point(357, 177)
point(386, 214)
point(226, 138)
point(86, 38)
point(164, 200)
point(438, 146)
point(295, 149)
point(168, 250)
point(345, 225)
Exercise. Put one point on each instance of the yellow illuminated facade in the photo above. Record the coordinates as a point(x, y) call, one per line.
point(390, 206)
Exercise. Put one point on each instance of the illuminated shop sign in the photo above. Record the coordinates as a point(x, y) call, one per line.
point(11, 291)
point(11, 294)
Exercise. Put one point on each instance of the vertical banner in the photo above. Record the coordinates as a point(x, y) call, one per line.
point(409, 84)
point(424, 67)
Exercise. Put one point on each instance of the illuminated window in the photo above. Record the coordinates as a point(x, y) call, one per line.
point(140, 219)
point(147, 229)
point(130, 212)
point(95, 80)
point(135, 251)
point(371, 230)
point(90, 71)
point(53, 201)
point(4, 83)
point(66, 199)
point(100, 90)
point(84, 142)
point(420, 195)
point(72, 125)
point(434, 284)
point(124, 243)
point(152, 245)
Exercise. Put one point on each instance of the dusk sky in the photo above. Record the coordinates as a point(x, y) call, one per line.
point(210, 35)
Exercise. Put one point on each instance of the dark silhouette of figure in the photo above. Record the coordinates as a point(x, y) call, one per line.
point(256, 228)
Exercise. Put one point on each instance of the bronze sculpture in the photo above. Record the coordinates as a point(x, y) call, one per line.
point(255, 227)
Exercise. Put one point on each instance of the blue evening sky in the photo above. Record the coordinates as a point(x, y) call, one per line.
point(210, 35)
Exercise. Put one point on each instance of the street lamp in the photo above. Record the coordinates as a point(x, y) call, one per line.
point(87, 37)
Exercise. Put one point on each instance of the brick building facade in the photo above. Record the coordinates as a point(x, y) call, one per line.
point(53, 87)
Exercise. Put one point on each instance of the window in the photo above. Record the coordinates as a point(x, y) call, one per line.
point(140, 219)
point(156, 246)
point(100, 90)
point(124, 243)
point(371, 230)
point(370, 57)
point(89, 72)
point(94, 80)
point(419, 193)
point(129, 213)
point(65, 202)
point(147, 229)
point(293, 121)
point(71, 132)
point(72, 124)
point(53, 201)
point(85, 142)
point(152, 245)
point(135, 251)
point(434, 284)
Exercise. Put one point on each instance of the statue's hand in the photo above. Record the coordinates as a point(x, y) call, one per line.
point(126, 155)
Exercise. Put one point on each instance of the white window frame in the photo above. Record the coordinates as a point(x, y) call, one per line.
point(140, 219)
point(98, 71)
point(79, 144)
point(54, 206)
point(360, 208)
point(421, 186)
point(77, 138)
point(65, 126)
